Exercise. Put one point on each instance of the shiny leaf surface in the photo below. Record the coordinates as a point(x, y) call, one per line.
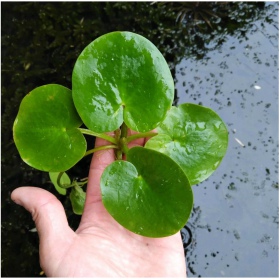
point(195, 137)
point(121, 76)
point(148, 194)
point(45, 129)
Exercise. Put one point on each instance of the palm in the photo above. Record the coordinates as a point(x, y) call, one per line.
point(100, 246)
point(111, 251)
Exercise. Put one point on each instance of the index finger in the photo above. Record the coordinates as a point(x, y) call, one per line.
point(100, 160)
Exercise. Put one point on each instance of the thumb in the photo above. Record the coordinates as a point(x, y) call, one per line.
point(47, 213)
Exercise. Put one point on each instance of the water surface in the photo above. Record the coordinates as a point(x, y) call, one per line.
point(235, 218)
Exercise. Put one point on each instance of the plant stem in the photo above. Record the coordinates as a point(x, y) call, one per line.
point(58, 179)
point(140, 135)
point(124, 130)
point(100, 135)
point(123, 140)
point(100, 148)
point(123, 144)
point(117, 135)
point(64, 186)
point(118, 152)
point(74, 184)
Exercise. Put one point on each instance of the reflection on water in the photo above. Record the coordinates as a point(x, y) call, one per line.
point(235, 218)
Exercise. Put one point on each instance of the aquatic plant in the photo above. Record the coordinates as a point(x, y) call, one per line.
point(121, 82)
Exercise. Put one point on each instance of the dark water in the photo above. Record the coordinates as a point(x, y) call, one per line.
point(235, 218)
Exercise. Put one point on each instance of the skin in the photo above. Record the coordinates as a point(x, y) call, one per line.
point(100, 247)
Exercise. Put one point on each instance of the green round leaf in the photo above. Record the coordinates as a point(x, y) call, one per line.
point(77, 198)
point(193, 136)
point(65, 180)
point(45, 129)
point(149, 194)
point(122, 77)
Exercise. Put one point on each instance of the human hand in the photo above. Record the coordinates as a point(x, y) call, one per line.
point(100, 247)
